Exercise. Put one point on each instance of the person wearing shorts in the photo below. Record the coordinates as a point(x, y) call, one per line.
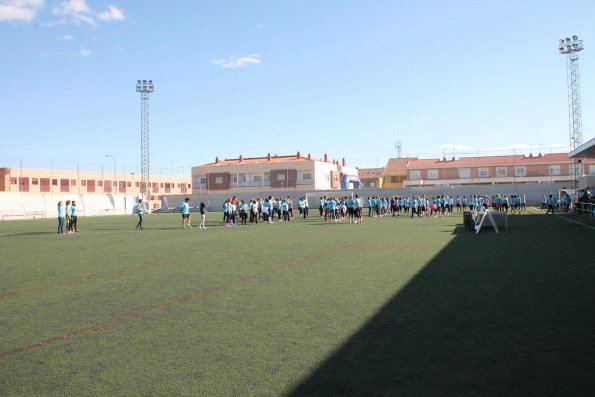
point(74, 215)
point(185, 210)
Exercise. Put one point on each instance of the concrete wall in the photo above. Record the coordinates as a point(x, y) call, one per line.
point(533, 193)
point(28, 206)
point(23, 205)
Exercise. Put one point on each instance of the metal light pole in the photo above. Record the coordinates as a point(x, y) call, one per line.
point(571, 48)
point(115, 180)
point(145, 87)
point(116, 190)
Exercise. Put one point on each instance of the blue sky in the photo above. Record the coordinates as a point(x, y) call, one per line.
point(250, 77)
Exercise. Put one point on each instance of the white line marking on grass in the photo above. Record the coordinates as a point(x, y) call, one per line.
point(573, 221)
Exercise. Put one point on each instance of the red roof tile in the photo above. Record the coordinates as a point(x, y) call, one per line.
point(398, 166)
point(254, 160)
point(488, 161)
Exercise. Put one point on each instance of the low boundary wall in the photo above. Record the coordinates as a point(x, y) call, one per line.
point(28, 206)
point(532, 192)
point(31, 206)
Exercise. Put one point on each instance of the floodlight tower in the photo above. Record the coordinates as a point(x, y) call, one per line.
point(145, 87)
point(571, 48)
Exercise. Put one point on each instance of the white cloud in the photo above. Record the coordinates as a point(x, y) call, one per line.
point(238, 61)
point(83, 52)
point(451, 147)
point(68, 37)
point(19, 10)
point(74, 7)
point(113, 13)
point(77, 10)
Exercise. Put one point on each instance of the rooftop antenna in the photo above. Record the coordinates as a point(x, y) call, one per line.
point(398, 148)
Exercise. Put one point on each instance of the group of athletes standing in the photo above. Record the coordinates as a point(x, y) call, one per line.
point(67, 217)
point(261, 209)
point(419, 206)
point(336, 209)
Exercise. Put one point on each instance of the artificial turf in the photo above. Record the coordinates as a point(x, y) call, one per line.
point(392, 307)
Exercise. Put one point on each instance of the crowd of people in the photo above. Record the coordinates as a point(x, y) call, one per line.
point(583, 201)
point(331, 208)
point(351, 208)
point(262, 209)
point(420, 206)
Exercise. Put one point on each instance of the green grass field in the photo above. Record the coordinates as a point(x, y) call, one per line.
point(393, 307)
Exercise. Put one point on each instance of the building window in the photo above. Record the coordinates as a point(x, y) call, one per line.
point(520, 171)
point(137, 184)
point(591, 169)
point(464, 173)
point(267, 176)
point(64, 185)
point(501, 171)
point(83, 182)
point(257, 178)
point(239, 178)
point(432, 174)
point(415, 174)
point(555, 170)
point(372, 184)
point(45, 185)
point(307, 176)
point(280, 177)
point(128, 184)
point(219, 180)
point(99, 183)
point(13, 181)
point(483, 172)
point(34, 181)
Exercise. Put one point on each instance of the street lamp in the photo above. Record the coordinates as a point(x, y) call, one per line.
point(115, 178)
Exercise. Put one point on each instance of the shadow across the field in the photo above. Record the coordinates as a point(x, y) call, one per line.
point(507, 314)
point(16, 234)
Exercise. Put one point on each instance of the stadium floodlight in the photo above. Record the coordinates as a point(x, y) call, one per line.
point(145, 88)
point(571, 50)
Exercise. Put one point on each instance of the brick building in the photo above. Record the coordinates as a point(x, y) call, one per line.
point(546, 168)
point(371, 178)
point(60, 182)
point(269, 173)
